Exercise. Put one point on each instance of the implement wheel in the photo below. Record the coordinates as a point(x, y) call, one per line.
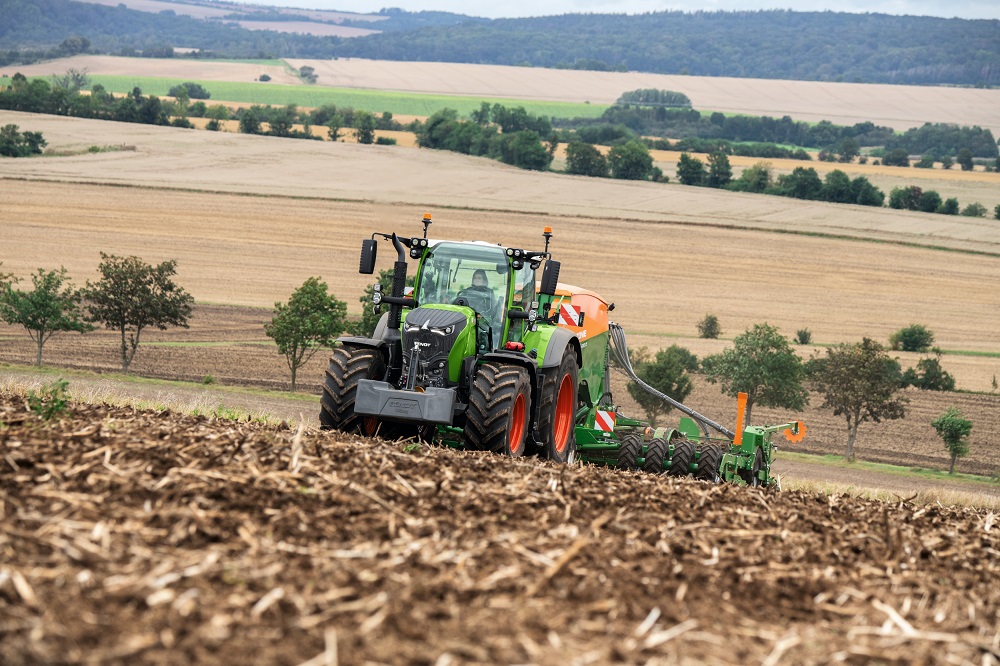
point(680, 464)
point(656, 453)
point(628, 452)
point(557, 412)
point(340, 389)
point(708, 463)
point(499, 405)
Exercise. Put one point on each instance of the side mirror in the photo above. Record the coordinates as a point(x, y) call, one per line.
point(550, 278)
point(369, 250)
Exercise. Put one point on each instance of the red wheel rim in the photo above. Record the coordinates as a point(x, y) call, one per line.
point(563, 420)
point(517, 424)
point(369, 425)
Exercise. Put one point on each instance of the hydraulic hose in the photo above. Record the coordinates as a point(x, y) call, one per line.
point(619, 351)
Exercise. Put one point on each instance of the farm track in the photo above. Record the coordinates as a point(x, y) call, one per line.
point(152, 537)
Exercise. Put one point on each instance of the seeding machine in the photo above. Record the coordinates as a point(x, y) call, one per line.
point(494, 354)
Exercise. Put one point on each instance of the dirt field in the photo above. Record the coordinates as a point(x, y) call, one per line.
point(228, 344)
point(141, 536)
point(168, 67)
point(899, 107)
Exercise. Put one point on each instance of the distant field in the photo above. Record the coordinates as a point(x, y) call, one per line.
point(377, 101)
point(899, 107)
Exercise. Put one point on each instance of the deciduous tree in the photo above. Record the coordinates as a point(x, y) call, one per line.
point(690, 170)
point(761, 364)
point(312, 319)
point(859, 382)
point(954, 429)
point(630, 161)
point(53, 306)
point(583, 159)
point(667, 373)
point(132, 296)
point(719, 170)
point(364, 123)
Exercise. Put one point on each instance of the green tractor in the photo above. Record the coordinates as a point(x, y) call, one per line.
point(491, 352)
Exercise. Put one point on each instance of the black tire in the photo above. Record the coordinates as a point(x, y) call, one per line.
point(708, 463)
point(499, 409)
point(628, 452)
point(680, 463)
point(656, 453)
point(347, 366)
point(557, 411)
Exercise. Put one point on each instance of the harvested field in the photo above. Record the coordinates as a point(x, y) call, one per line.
point(152, 536)
point(204, 70)
point(899, 107)
point(308, 28)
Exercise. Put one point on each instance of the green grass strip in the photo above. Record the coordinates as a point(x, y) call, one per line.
point(68, 374)
point(831, 460)
point(375, 101)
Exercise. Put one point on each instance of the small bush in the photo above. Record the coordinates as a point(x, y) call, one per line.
point(208, 379)
point(385, 141)
point(974, 210)
point(912, 338)
point(996, 212)
point(709, 327)
point(803, 336)
point(929, 376)
point(50, 401)
point(264, 77)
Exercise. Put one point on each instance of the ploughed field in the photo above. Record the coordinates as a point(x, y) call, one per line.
point(227, 345)
point(131, 535)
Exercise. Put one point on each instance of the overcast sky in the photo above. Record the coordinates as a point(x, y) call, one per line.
point(973, 9)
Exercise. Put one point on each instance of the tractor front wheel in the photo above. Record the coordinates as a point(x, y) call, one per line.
point(347, 366)
point(499, 406)
point(557, 413)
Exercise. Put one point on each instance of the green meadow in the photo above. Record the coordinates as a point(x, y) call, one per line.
point(376, 101)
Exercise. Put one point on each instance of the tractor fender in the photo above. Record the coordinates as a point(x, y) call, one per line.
point(560, 339)
point(368, 343)
point(514, 358)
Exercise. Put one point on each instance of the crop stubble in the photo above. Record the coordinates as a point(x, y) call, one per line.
point(141, 535)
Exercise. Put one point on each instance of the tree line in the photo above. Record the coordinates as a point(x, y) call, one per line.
point(824, 46)
point(774, 44)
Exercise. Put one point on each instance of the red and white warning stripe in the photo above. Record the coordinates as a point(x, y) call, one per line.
point(605, 421)
point(569, 315)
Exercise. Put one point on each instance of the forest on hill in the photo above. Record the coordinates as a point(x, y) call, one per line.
point(779, 44)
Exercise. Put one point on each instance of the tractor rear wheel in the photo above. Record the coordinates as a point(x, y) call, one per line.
point(628, 452)
point(347, 366)
point(656, 452)
point(708, 463)
point(499, 405)
point(557, 412)
point(680, 463)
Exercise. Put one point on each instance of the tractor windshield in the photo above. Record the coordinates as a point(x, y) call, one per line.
point(467, 274)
